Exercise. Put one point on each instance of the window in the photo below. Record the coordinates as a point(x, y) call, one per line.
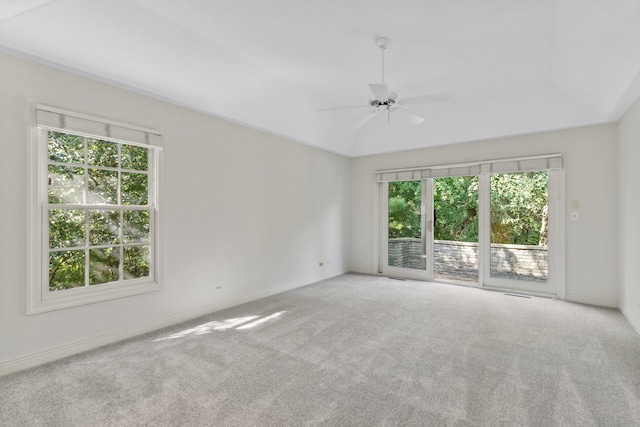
point(95, 211)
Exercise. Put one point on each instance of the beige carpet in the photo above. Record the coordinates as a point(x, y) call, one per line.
point(355, 350)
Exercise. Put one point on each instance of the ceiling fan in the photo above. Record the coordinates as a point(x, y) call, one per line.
point(386, 101)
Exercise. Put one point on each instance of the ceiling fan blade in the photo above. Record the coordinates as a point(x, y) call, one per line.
point(380, 92)
point(411, 116)
point(435, 97)
point(352, 107)
point(363, 120)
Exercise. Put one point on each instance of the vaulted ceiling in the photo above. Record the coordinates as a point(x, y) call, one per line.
point(515, 66)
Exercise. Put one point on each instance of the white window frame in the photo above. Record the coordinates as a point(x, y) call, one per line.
point(39, 297)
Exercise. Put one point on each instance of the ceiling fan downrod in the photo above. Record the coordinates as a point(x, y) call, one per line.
point(382, 44)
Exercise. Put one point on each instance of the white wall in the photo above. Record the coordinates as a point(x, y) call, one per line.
point(250, 211)
point(591, 179)
point(629, 226)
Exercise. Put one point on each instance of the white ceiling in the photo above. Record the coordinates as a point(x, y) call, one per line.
point(516, 66)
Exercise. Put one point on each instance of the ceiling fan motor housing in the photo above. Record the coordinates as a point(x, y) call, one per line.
point(390, 102)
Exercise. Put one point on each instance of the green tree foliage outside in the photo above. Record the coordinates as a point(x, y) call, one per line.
point(518, 201)
point(90, 175)
point(456, 208)
point(404, 209)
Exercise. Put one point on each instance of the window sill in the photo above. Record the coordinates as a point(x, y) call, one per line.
point(81, 296)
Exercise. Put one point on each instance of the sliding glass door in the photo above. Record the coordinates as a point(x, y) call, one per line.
point(455, 230)
point(404, 230)
point(493, 225)
point(521, 230)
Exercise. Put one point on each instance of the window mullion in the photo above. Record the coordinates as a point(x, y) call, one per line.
point(121, 244)
point(85, 198)
point(151, 178)
point(120, 218)
point(119, 191)
point(87, 251)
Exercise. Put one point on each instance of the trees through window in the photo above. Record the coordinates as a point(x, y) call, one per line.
point(98, 211)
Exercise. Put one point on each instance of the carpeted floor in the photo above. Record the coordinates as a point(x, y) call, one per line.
point(355, 350)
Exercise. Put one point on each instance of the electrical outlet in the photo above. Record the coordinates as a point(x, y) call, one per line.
point(218, 287)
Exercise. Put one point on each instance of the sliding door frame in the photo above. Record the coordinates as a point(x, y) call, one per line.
point(556, 284)
point(426, 273)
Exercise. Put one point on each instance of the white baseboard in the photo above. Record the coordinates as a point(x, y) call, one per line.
point(611, 303)
point(56, 353)
point(632, 318)
point(362, 270)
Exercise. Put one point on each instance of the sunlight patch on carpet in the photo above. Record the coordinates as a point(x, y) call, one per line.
point(238, 323)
